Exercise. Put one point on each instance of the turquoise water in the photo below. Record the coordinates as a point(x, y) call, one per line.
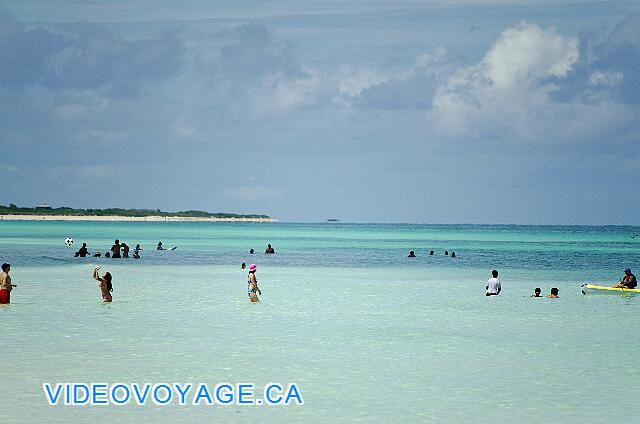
point(367, 334)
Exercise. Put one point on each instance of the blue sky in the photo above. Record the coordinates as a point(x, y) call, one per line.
point(367, 111)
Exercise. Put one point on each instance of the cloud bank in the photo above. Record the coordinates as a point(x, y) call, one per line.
point(217, 103)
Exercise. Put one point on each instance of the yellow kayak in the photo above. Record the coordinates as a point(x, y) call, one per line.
point(593, 289)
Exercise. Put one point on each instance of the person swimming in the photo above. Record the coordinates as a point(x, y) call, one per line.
point(269, 249)
point(252, 290)
point(536, 292)
point(431, 253)
point(104, 283)
point(412, 254)
point(453, 254)
point(554, 294)
point(160, 246)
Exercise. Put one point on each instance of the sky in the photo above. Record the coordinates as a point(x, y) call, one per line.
point(486, 111)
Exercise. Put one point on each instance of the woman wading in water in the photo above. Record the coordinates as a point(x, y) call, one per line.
point(105, 284)
point(252, 290)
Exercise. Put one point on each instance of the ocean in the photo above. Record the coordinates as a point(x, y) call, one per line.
point(366, 334)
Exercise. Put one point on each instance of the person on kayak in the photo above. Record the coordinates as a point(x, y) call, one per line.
point(629, 281)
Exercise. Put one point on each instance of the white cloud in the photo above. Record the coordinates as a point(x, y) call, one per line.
point(280, 94)
point(606, 79)
point(509, 89)
point(526, 53)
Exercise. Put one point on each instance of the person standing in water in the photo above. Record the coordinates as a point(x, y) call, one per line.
point(115, 250)
point(83, 251)
point(125, 250)
point(104, 283)
point(5, 284)
point(252, 290)
point(136, 252)
point(493, 284)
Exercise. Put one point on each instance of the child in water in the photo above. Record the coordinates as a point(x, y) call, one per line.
point(104, 283)
point(554, 293)
point(252, 290)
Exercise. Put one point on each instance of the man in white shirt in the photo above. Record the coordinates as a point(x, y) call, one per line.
point(493, 284)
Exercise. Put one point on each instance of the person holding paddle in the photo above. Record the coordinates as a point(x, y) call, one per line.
point(629, 281)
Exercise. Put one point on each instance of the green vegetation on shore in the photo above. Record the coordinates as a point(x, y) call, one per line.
point(16, 210)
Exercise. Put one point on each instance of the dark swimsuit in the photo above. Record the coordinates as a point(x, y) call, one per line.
point(250, 290)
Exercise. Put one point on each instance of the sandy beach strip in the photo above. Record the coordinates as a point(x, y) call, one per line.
point(114, 218)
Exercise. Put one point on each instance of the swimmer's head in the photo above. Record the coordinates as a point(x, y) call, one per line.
point(252, 267)
point(554, 291)
point(244, 265)
point(538, 290)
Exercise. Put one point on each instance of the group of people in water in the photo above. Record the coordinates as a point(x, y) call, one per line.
point(494, 287)
point(269, 250)
point(628, 281)
point(412, 254)
point(106, 286)
point(118, 250)
point(121, 250)
point(537, 292)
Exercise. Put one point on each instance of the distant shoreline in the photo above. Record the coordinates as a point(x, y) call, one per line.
point(116, 218)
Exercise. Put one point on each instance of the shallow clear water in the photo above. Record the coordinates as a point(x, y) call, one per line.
point(367, 334)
